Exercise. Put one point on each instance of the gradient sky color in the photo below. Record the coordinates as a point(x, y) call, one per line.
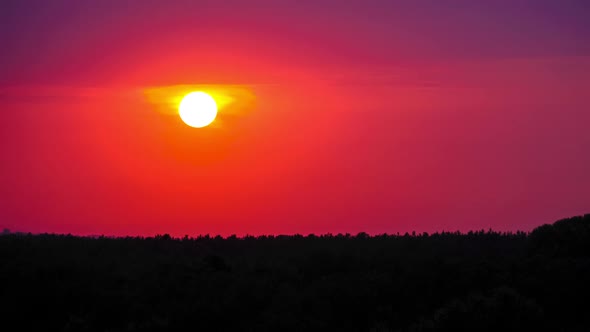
point(376, 116)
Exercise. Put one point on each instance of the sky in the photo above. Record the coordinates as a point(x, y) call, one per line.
point(374, 116)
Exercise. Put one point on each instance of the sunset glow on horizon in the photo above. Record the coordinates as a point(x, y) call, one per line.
point(329, 117)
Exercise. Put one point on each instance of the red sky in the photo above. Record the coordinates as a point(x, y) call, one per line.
point(374, 116)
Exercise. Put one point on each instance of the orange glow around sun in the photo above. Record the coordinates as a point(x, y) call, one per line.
point(200, 105)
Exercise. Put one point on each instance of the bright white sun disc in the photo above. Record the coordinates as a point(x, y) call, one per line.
point(197, 109)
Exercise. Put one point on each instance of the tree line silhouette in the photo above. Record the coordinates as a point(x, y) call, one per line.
point(449, 281)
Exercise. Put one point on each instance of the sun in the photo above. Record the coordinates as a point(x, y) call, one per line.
point(198, 109)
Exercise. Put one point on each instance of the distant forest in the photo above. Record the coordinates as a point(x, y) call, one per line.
point(475, 281)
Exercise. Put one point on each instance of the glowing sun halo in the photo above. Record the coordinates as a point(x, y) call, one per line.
point(197, 109)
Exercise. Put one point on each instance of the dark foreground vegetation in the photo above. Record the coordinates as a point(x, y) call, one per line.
point(479, 281)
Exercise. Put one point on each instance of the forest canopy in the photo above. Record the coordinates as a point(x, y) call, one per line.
point(450, 281)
